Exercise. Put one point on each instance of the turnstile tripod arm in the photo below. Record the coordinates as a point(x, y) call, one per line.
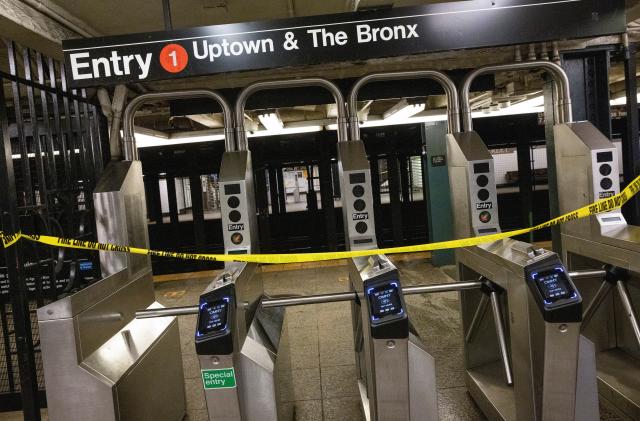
point(502, 341)
point(351, 296)
point(593, 306)
point(477, 318)
point(309, 299)
point(166, 312)
point(628, 309)
point(597, 273)
point(428, 289)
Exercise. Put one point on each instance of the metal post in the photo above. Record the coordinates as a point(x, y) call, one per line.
point(630, 139)
point(628, 307)
point(525, 178)
point(166, 12)
point(550, 95)
point(502, 341)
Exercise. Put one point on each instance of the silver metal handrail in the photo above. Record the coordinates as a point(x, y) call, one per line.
point(562, 105)
point(129, 148)
point(312, 299)
point(241, 133)
point(450, 90)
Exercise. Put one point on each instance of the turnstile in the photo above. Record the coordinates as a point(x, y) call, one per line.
point(588, 170)
point(528, 361)
point(396, 374)
point(237, 345)
point(235, 339)
point(100, 363)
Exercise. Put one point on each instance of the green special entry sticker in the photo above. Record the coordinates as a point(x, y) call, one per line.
point(223, 378)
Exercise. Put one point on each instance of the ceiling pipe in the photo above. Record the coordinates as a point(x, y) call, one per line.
point(562, 105)
point(63, 17)
point(129, 141)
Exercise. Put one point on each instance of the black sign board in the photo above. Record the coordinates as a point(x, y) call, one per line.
point(438, 160)
point(334, 38)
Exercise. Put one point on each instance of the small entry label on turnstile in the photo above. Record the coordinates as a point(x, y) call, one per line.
point(223, 378)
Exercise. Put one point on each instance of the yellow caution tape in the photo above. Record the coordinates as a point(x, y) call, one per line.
point(604, 205)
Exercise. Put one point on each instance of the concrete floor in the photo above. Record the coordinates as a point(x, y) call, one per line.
point(316, 360)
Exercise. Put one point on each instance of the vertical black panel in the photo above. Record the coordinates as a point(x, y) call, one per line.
point(375, 191)
point(197, 209)
point(588, 72)
point(29, 196)
point(70, 138)
point(154, 203)
point(403, 163)
point(393, 169)
point(326, 197)
point(282, 192)
point(52, 174)
point(275, 207)
point(172, 199)
point(35, 136)
point(80, 140)
point(262, 207)
point(61, 143)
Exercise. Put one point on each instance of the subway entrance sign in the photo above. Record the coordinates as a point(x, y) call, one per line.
point(224, 378)
point(335, 38)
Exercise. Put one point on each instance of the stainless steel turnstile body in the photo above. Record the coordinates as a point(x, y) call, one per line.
point(548, 360)
point(588, 170)
point(528, 361)
point(237, 344)
point(99, 362)
point(397, 378)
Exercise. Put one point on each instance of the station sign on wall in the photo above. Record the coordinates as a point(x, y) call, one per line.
point(335, 38)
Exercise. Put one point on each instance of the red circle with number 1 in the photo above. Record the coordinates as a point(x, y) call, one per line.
point(174, 58)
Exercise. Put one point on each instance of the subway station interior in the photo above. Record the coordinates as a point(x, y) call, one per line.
point(299, 210)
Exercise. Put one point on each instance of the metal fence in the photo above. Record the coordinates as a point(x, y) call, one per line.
point(51, 157)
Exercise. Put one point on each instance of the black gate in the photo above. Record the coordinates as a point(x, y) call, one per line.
point(52, 154)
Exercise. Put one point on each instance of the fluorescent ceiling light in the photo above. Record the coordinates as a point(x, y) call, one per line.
point(621, 100)
point(286, 130)
point(147, 141)
point(404, 109)
point(271, 121)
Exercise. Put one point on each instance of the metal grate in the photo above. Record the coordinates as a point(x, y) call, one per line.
point(51, 156)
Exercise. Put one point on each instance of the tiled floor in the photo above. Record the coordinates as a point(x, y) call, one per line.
point(316, 366)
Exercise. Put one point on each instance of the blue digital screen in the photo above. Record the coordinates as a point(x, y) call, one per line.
point(385, 301)
point(213, 316)
point(553, 285)
point(86, 265)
